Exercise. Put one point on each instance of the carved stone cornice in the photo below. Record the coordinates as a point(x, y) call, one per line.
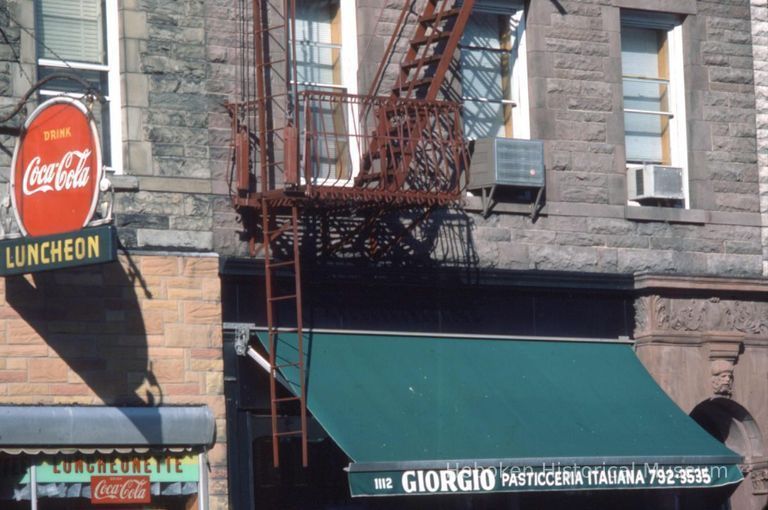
point(758, 475)
point(657, 314)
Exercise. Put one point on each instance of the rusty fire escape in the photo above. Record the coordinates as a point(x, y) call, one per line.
point(295, 149)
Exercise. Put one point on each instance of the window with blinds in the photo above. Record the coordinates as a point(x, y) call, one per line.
point(485, 76)
point(71, 30)
point(80, 37)
point(645, 76)
point(318, 43)
point(319, 67)
point(653, 91)
point(492, 71)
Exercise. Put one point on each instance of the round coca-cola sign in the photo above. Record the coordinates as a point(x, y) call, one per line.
point(56, 169)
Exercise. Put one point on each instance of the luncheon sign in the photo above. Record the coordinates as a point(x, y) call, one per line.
point(54, 192)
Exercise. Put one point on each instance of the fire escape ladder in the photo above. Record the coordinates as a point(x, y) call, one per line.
point(274, 110)
point(284, 360)
point(401, 128)
point(407, 126)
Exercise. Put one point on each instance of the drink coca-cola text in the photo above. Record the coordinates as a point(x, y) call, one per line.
point(70, 172)
point(56, 169)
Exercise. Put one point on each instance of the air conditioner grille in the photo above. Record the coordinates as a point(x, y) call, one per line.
point(668, 183)
point(520, 162)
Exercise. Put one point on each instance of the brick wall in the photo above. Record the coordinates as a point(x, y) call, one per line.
point(142, 331)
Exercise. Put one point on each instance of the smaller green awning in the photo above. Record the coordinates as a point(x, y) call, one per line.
point(421, 414)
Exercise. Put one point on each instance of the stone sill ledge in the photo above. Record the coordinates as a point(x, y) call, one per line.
point(645, 281)
point(631, 213)
point(666, 214)
point(123, 183)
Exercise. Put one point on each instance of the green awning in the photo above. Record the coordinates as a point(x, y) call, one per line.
point(421, 414)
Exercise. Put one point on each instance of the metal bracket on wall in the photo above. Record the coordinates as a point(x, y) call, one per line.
point(537, 205)
point(487, 200)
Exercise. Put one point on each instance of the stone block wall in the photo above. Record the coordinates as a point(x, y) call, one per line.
point(580, 242)
point(10, 35)
point(11, 74)
point(759, 13)
point(166, 200)
point(574, 75)
point(173, 115)
point(179, 68)
point(145, 330)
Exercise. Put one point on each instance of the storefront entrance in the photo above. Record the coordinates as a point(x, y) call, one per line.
point(81, 457)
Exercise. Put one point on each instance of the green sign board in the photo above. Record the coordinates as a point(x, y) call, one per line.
point(159, 468)
point(22, 255)
point(547, 477)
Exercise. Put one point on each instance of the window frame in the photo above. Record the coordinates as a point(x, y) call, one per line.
point(343, 27)
point(112, 71)
point(671, 26)
point(515, 79)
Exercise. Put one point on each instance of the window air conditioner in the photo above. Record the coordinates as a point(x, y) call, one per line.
point(654, 182)
point(507, 162)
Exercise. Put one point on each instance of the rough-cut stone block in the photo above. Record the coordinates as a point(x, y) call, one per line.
point(150, 238)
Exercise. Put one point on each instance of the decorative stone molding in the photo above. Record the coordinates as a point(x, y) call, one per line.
point(657, 314)
point(758, 475)
point(722, 377)
point(651, 314)
point(724, 350)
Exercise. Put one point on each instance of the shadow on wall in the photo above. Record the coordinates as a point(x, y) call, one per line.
point(91, 318)
point(440, 236)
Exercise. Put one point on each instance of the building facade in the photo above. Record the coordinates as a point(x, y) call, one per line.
point(105, 365)
point(598, 248)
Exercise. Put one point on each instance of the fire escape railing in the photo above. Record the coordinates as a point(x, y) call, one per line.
point(421, 158)
point(297, 151)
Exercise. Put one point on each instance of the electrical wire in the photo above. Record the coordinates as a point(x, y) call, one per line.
point(39, 41)
point(16, 56)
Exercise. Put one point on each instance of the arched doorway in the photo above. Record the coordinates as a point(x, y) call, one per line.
point(733, 425)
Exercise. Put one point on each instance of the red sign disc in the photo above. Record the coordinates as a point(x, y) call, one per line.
point(56, 169)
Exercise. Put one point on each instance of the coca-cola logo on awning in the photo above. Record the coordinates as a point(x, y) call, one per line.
point(119, 490)
point(56, 169)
